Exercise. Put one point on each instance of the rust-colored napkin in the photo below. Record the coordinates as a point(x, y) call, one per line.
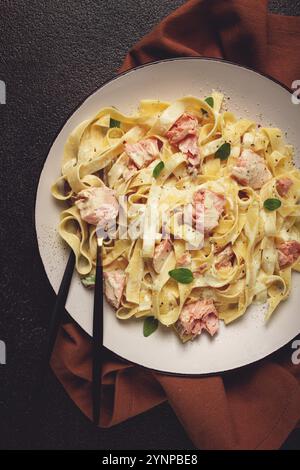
point(258, 406)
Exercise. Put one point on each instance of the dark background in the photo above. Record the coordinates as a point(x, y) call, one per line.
point(53, 54)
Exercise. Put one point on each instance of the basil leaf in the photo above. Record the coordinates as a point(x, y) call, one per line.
point(114, 123)
point(157, 170)
point(182, 275)
point(272, 204)
point(89, 281)
point(223, 152)
point(150, 325)
point(210, 101)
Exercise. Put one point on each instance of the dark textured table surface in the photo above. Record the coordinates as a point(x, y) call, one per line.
point(52, 55)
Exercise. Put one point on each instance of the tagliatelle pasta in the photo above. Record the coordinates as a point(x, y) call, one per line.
point(208, 211)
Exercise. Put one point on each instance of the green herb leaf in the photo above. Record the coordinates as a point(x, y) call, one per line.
point(210, 101)
point(223, 152)
point(157, 170)
point(150, 325)
point(89, 281)
point(272, 204)
point(114, 123)
point(182, 275)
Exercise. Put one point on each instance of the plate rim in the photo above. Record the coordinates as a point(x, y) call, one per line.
point(94, 90)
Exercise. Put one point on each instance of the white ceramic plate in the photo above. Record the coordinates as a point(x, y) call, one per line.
point(246, 340)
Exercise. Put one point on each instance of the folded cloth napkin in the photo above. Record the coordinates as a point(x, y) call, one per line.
point(252, 408)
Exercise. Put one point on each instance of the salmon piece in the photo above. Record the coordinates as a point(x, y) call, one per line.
point(160, 254)
point(189, 147)
point(225, 258)
point(251, 170)
point(183, 135)
point(208, 207)
point(114, 284)
point(184, 260)
point(288, 253)
point(283, 185)
point(198, 316)
point(143, 152)
point(97, 206)
point(184, 126)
